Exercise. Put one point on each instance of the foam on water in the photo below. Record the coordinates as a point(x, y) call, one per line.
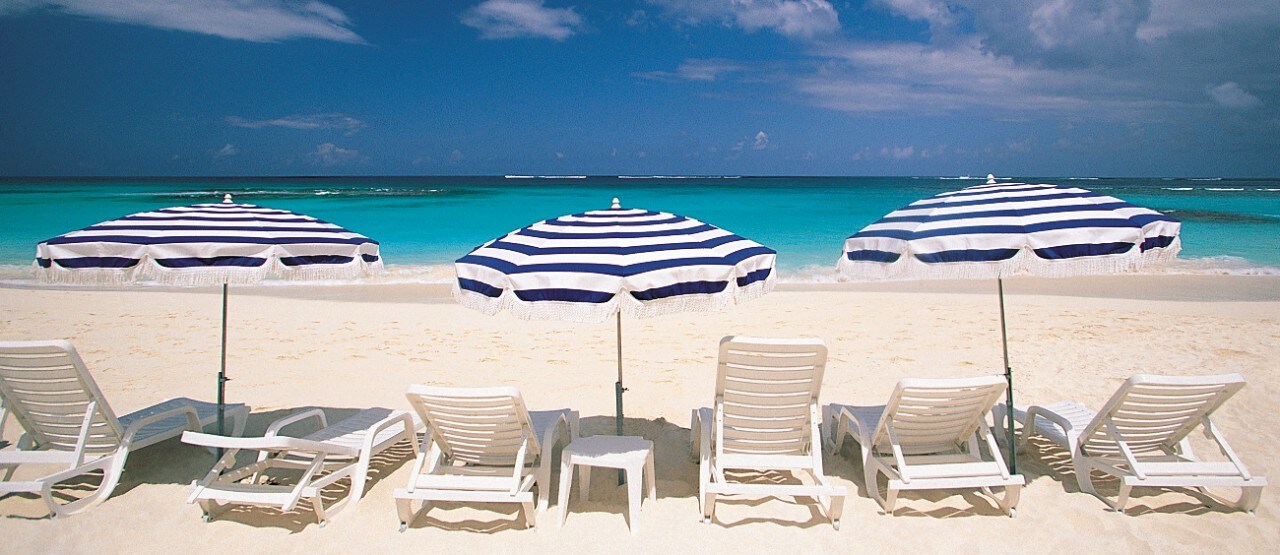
point(442, 274)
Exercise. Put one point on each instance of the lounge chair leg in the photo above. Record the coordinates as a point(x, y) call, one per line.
point(708, 508)
point(543, 482)
point(835, 509)
point(1012, 494)
point(870, 475)
point(404, 509)
point(1083, 479)
point(210, 510)
point(317, 504)
point(530, 515)
point(890, 501)
point(1249, 498)
point(1123, 499)
point(695, 439)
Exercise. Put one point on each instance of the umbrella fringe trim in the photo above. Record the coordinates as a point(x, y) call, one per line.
point(148, 270)
point(597, 313)
point(1024, 263)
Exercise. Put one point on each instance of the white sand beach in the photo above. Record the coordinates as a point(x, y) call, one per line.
point(349, 347)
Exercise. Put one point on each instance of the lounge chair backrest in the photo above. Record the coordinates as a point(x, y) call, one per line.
point(1155, 413)
point(481, 426)
point(49, 391)
point(768, 389)
point(929, 416)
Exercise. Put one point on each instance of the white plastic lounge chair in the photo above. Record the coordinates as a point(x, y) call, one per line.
point(484, 447)
point(68, 423)
point(333, 453)
point(765, 418)
point(928, 437)
point(1140, 436)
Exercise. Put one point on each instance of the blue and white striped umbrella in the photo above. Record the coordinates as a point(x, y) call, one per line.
point(590, 266)
point(998, 230)
point(207, 244)
point(587, 267)
point(1006, 229)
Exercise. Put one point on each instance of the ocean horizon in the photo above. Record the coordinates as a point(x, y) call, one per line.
point(1230, 225)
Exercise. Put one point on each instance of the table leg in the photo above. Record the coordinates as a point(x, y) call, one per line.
point(633, 498)
point(584, 481)
point(566, 481)
point(653, 481)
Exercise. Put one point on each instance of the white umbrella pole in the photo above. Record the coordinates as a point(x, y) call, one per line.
point(1008, 376)
point(618, 389)
point(222, 372)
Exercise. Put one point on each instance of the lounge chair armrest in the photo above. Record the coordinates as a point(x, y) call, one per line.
point(279, 424)
point(395, 418)
point(853, 427)
point(1224, 447)
point(77, 470)
point(193, 420)
point(1037, 411)
point(274, 443)
point(551, 434)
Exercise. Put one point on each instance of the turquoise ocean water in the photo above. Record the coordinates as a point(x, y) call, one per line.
point(424, 223)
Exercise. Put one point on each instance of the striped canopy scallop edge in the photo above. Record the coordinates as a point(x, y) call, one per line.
point(207, 244)
point(991, 231)
point(586, 267)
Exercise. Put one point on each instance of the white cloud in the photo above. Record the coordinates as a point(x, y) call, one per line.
point(1231, 95)
point(792, 18)
point(508, 19)
point(226, 150)
point(898, 152)
point(1174, 16)
point(341, 122)
point(935, 12)
point(1051, 33)
point(1021, 147)
point(694, 69)
point(251, 20)
point(328, 154)
point(920, 79)
point(761, 141)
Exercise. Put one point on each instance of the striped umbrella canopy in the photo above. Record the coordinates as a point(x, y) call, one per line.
point(997, 230)
point(590, 266)
point(1005, 229)
point(207, 244)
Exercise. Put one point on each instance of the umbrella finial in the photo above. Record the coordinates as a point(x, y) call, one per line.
point(991, 179)
point(226, 199)
point(616, 204)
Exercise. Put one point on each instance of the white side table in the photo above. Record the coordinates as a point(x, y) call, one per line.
point(627, 453)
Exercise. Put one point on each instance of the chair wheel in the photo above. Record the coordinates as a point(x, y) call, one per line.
point(836, 523)
point(404, 526)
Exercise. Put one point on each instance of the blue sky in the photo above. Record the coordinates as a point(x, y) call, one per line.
point(737, 87)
